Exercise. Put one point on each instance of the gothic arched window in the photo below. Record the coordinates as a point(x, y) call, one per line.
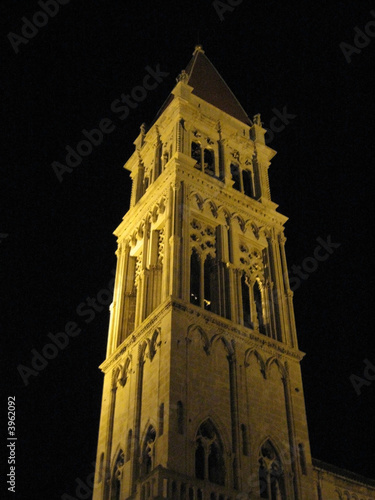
point(246, 302)
point(196, 154)
point(235, 173)
point(247, 183)
point(209, 162)
point(199, 461)
point(271, 475)
point(209, 283)
point(148, 451)
point(116, 476)
point(259, 307)
point(195, 278)
point(209, 455)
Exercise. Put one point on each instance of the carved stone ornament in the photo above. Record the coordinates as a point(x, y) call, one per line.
point(183, 77)
point(257, 120)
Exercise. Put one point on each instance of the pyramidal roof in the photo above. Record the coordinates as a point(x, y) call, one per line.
point(209, 86)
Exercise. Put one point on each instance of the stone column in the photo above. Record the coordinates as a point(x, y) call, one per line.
point(108, 447)
point(234, 417)
point(292, 439)
point(288, 293)
point(137, 419)
point(175, 240)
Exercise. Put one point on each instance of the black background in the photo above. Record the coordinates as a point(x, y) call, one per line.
point(59, 249)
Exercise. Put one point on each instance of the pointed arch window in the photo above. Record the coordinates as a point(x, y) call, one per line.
point(243, 179)
point(204, 157)
point(199, 461)
point(246, 302)
point(259, 307)
point(209, 455)
point(196, 154)
point(247, 182)
point(271, 474)
point(204, 281)
point(209, 283)
point(116, 476)
point(195, 278)
point(148, 451)
point(209, 161)
point(235, 173)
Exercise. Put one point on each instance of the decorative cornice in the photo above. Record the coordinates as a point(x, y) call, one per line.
point(203, 318)
point(245, 335)
point(144, 206)
point(233, 201)
point(151, 323)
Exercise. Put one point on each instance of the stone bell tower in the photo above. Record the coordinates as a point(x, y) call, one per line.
point(202, 395)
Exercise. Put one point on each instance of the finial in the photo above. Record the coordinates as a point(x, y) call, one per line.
point(182, 77)
point(257, 120)
point(198, 48)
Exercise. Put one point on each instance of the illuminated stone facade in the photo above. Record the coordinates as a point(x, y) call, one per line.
point(203, 396)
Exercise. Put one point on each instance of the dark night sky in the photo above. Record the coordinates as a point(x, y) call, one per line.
point(57, 247)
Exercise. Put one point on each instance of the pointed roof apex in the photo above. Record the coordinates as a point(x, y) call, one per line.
point(210, 86)
point(198, 48)
point(207, 84)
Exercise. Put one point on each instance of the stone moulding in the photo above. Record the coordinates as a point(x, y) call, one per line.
point(151, 322)
point(244, 335)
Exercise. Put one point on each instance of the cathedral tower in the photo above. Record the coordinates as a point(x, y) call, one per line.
point(202, 396)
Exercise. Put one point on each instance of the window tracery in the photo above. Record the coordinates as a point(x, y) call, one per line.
point(271, 474)
point(202, 150)
point(203, 268)
point(147, 460)
point(209, 454)
point(252, 288)
point(242, 175)
point(117, 476)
